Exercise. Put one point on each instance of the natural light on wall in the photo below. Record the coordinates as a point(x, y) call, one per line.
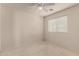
point(58, 24)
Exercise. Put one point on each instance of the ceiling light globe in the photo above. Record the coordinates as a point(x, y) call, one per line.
point(40, 8)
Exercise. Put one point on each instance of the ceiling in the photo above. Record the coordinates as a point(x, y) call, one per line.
point(55, 8)
point(47, 10)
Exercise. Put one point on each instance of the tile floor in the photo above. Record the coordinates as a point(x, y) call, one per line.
point(40, 49)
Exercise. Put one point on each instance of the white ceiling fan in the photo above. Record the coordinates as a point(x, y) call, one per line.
point(42, 6)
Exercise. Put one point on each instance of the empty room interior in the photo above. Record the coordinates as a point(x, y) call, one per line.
point(39, 29)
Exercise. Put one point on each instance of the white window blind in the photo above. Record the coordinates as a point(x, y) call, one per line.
point(58, 24)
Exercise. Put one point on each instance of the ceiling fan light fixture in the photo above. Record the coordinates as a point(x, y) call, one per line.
point(51, 9)
point(40, 8)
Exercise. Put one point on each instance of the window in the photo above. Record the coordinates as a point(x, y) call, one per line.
point(58, 24)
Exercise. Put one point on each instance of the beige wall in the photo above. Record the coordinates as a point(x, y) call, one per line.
point(21, 27)
point(70, 39)
point(0, 27)
point(7, 41)
point(28, 27)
